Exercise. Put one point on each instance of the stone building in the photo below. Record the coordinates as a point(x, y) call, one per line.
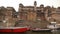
point(56, 14)
point(6, 16)
point(10, 16)
point(2, 13)
point(41, 14)
point(31, 13)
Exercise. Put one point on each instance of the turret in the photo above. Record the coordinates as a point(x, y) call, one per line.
point(41, 6)
point(20, 7)
point(35, 3)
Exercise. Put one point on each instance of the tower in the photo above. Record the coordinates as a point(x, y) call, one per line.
point(20, 7)
point(20, 14)
point(35, 4)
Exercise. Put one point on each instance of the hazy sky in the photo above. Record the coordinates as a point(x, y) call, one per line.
point(15, 3)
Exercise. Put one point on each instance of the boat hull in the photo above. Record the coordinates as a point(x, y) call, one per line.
point(14, 30)
point(41, 30)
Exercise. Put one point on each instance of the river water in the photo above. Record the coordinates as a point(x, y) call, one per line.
point(54, 32)
point(31, 32)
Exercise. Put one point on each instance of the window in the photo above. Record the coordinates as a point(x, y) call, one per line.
point(49, 13)
point(38, 12)
point(14, 16)
point(0, 21)
point(58, 12)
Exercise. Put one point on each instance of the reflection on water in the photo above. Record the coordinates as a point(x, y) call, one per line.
point(55, 32)
point(39, 33)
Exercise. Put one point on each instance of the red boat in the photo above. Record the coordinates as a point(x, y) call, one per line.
point(13, 29)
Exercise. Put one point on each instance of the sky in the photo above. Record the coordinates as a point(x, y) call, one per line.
point(15, 3)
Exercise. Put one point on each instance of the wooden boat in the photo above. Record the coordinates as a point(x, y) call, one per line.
point(13, 29)
point(54, 26)
point(40, 30)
